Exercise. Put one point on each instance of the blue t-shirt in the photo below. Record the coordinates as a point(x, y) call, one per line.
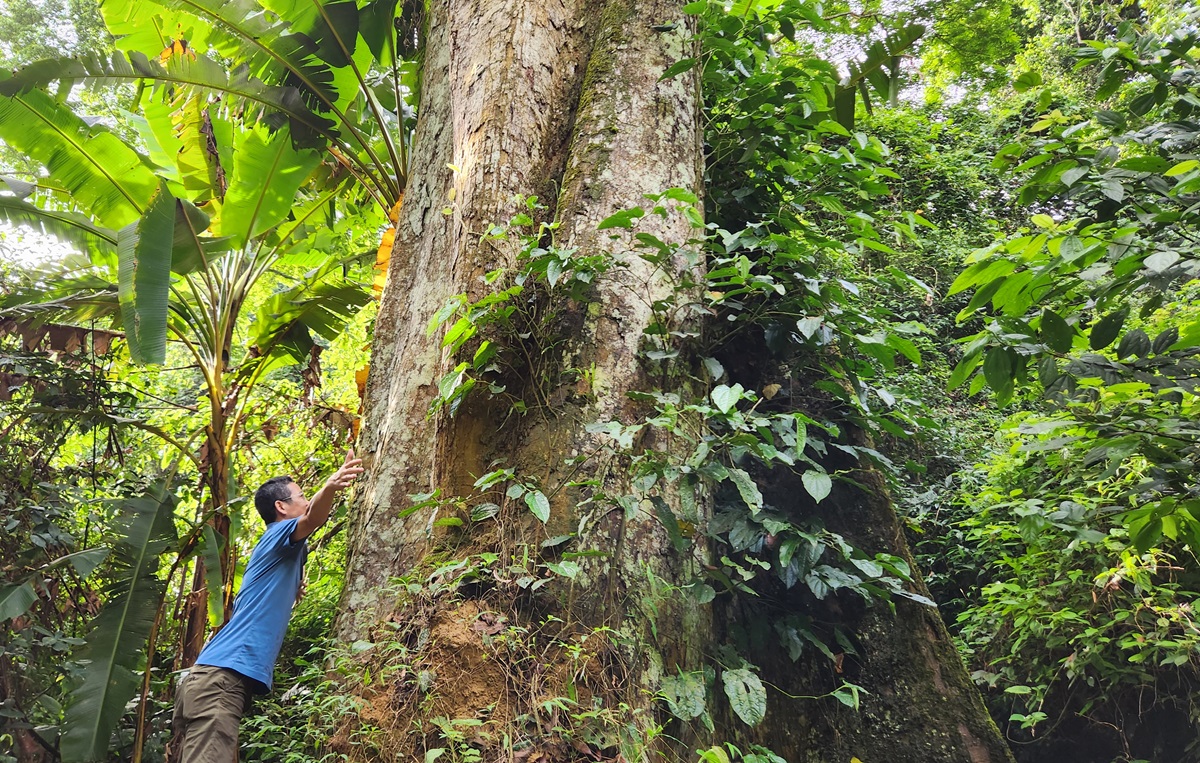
point(250, 641)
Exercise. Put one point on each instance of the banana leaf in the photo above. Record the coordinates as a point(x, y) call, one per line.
point(98, 171)
point(267, 174)
point(144, 252)
point(114, 653)
point(880, 69)
point(100, 244)
point(15, 600)
point(199, 74)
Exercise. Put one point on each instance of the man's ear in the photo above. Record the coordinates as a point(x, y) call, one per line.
point(278, 510)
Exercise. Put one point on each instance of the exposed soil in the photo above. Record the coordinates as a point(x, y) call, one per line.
point(464, 675)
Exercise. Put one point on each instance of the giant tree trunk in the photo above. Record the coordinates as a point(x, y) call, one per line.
point(559, 99)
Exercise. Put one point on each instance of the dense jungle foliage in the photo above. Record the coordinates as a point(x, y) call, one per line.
point(969, 229)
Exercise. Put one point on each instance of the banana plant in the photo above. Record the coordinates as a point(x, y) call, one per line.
point(334, 73)
point(879, 69)
point(341, 79)
point(173, 244)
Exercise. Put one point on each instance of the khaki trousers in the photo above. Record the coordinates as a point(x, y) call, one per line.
point(209, 705)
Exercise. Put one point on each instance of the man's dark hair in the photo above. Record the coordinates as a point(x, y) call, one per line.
point(274, 489)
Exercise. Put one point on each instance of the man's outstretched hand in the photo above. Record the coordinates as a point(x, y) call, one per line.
point(346, 474)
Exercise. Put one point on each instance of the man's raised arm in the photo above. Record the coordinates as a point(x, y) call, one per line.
point(321, 503)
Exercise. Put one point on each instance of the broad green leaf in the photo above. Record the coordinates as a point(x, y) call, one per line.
point(679, 67)
point(818, 484)
point(539, 505)
point(180, 76)
point(809, 326)
point(1165, 340)
point(97, 243)
point(905, 347)
point(15, 600)
point(879, 68)
point(984, 271)
point(285, 44)
point(116, 643)
point(998, 368)
point(95, 169)
point(670, 523)
point(1143, 164)
point(190, 251)
point(1027, 80)
point(1135, 342)
point(332, 27)
point(1160, 262)
point(685, 694)
point(714, 368)
point(1056, 332)
point(21, 189)
point(211, 549)
point(726, 397)
point(962, 371)
point(320, 303)
point(1182, 168)
point(1071, 176)
point(623, 219)
point(1146, 536)
point(144, 279)
point(747, 489)
point(1105, 331)
point(1113, 189)
point(567, 569)
point(84, 562)
point(149, 27)
point(197, 158)
point(377, 26)
point(1071, 249)
point(747, 695)
point(267, 173)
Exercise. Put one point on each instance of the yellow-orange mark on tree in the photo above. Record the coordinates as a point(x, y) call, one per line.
point(384, 255)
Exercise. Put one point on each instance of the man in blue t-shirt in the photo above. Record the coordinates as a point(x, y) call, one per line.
point(239, 660)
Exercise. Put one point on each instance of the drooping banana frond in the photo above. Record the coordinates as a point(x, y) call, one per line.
point(322, 302)
point(116, 643)
point(98, 171)
point(100, 244)
point(880, 69)
point(199, 73)
point(70, 293)
point(15, 600)
point(144, 278)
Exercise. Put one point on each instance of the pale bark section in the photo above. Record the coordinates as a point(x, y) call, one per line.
point(635, 135)
point(487, 116)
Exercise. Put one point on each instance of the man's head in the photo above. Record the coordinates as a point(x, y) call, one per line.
point(280, 498)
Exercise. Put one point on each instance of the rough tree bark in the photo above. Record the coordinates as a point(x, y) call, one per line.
point(561, 99)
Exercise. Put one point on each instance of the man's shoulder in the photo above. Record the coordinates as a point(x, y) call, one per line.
point(278, 533)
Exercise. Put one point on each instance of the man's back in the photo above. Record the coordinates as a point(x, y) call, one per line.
point(250, 641)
